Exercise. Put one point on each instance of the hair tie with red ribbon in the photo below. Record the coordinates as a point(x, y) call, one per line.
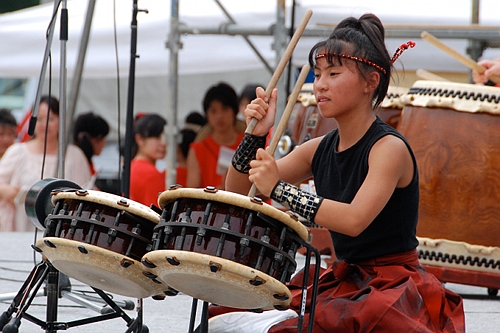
point(401, 49)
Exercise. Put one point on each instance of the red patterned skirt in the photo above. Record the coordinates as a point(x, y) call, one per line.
point(387, 294)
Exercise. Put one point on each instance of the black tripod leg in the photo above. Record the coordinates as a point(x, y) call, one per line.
point(194, 305)
point(134, 325)
point(52, 299)
point(23, 299)
point(204, 318)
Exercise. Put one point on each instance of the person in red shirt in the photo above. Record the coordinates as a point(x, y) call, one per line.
point(194, 122)
point(146, 181)
point(209, 159)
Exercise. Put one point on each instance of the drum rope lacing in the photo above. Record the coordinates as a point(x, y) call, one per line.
point(458, 259)
point(455, 93)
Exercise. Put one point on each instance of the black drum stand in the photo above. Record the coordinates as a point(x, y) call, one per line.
point(57, 285)
point(203, 326)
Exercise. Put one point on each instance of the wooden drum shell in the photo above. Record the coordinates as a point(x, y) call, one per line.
point(458, 156)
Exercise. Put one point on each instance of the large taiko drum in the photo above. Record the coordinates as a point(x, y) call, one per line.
point(305, 122)
point(99, 239)
point(225, 248)
point(391, 107)
point(454, 131)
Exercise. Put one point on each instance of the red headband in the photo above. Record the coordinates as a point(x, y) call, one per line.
point(396, 55)
point(363, 60)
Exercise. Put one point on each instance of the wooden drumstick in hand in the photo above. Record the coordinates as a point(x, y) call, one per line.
point(286, 115)
point(470, 63)
point(282, 64)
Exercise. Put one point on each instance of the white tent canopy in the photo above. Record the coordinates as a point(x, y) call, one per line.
point(22, 34)
point(204, 59)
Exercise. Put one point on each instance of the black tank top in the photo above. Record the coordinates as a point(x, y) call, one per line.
point(339, 175)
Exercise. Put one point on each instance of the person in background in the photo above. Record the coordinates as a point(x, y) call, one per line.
point(194, 122)
point(146, 181)
point(367, 196)
point(492, 69)
point(89, 133)
point(8, 127)
point(209, 158)
point(246, 96)
point(25, 163)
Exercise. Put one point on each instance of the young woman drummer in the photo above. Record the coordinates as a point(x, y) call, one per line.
point(367, 189)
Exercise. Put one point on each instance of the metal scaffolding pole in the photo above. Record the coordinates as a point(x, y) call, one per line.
point(173, 45)
point(485, 36)
point(77, 76)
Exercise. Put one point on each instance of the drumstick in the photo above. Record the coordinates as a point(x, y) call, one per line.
point(426, 75)
point(458, 56)
point(286, 115)
point(282, 64)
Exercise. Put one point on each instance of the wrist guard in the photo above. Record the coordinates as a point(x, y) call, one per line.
point(298, 201)
point(246, 152)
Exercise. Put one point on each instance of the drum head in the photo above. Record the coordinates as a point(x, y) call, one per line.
point(109, 200)
point(217, 280)
point(99, 268)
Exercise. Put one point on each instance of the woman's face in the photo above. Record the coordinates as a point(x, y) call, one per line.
point(339, 88)
point(152, 148)
point(41, 123)
point(7, 137)
point(98, 145)
point(220, 117)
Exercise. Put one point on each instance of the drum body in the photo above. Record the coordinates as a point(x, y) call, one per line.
point(99, 239)
point(391, 107)
point(224, 237)
point(458, 154)
point(454, 131)
point(305, 122)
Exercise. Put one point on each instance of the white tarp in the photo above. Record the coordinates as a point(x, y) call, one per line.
point(22, 34)
point(203, 60)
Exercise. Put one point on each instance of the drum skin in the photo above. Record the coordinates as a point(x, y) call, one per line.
point(458, 157)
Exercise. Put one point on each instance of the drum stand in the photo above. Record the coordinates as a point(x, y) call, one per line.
point(10, 320)
point(203, 327)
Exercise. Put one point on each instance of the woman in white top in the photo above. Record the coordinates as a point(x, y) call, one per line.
point(21, 167)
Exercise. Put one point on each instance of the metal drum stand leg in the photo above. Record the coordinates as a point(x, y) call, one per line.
point(310, 250)
point(10, 320)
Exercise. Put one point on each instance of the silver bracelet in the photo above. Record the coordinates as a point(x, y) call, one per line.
point(304, 203)
point(246, 152)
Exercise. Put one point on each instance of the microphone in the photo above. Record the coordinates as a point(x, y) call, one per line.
point(32, 124)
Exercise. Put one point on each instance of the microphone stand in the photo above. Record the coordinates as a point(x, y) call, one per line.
point(44, 270)
point(53, 273)
point(34, 114)
point(129, 121)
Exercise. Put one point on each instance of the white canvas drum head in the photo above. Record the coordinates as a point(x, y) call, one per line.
point(217, 280)
point(99, 268)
